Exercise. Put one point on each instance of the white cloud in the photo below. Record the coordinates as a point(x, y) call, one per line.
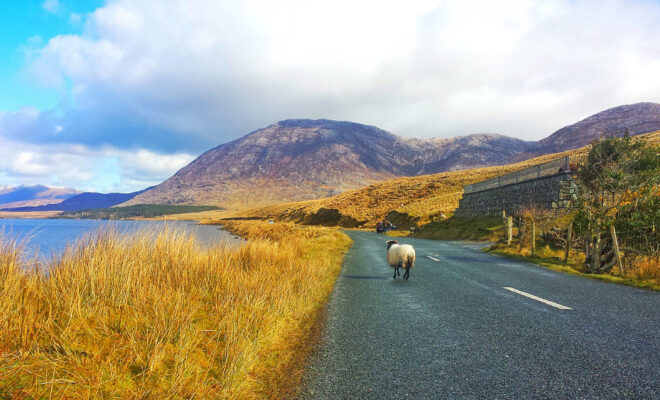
point(212, 71)
point(52, 6)
point(106, 170)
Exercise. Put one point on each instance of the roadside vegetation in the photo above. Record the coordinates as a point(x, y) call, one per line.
point(615, 230)
point(136, 211)
point(157, 315)
point(484, 229)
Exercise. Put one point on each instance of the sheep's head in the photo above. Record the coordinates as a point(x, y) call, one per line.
point(390, 243)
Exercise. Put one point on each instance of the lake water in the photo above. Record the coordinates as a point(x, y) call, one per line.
point(47, 237)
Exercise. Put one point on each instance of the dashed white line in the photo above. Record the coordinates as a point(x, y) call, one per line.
point(531, 296)
point(433, 258)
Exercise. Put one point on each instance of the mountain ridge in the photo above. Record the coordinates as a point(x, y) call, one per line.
point(81, 201)
point(637, 118)
point(304, 159)
point(25, 195)
point(299, 159)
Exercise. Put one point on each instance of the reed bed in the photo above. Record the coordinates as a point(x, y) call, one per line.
point(156, 315)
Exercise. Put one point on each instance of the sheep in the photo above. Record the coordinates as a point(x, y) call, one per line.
point(400, 256)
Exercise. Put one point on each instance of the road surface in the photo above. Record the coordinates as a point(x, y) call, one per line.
point(464, 326)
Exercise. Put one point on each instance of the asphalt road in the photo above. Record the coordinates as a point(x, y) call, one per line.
point(454, 331)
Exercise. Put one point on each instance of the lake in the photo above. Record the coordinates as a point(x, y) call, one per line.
point(47, 237)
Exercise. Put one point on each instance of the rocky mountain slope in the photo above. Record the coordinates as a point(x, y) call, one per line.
point(297, 160)
point(307, 159)
point(406, 202)
point(636, 118)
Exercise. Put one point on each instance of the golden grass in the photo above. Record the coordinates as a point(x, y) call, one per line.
point(647, 269)
point(490, 229)
point(156, 315)
point(198, 216)
point(642, 275)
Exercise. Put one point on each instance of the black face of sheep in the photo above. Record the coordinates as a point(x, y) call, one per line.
point(390, 243)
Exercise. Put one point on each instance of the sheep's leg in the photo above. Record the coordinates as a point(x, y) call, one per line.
point(400, 265)
point(406, 274)
point(395, 270)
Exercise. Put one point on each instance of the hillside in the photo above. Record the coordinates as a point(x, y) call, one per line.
point(636, 118)
point(25, 195)
point(82, 201)
point(405, 201)
point(309, 159)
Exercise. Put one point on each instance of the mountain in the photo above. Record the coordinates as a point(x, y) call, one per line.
point(406, 202)
point(307, 159)
point(303, 159)
point(25, 195)
point(636, 118)
point(82, 201)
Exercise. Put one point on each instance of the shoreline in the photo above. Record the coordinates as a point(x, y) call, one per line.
point(27, 214)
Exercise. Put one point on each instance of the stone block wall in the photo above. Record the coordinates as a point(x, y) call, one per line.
point(555, 192)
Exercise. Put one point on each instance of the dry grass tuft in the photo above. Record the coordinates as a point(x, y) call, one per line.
point(645, 269)
point(156, 315)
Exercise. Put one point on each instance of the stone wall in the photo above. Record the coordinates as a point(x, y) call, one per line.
point(557, 192)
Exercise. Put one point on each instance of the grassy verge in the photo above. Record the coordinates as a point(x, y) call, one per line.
point(155, 315)
point(553, 260)
point(463, 228)
point(492, 229)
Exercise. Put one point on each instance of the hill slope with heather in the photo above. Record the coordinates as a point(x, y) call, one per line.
point(308, 159)
point(636, 118)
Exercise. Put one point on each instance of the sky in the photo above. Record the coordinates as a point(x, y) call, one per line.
point(117, 95)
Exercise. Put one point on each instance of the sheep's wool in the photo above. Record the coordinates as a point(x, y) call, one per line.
point(401, 252)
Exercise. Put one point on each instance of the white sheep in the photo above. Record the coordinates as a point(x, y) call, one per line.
point(400, 256)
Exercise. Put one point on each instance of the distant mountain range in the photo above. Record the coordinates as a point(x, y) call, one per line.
point(25, 195)
point(305, 159)
point(82, 201)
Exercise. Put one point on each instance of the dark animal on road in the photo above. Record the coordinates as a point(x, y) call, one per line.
point(400, 256)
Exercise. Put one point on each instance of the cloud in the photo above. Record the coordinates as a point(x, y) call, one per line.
point(181, 76)
point(106, 170)
point(52, 6)
point(197, 73)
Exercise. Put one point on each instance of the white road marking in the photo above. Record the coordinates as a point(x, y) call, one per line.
point(433, 258)
point(531, 296)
